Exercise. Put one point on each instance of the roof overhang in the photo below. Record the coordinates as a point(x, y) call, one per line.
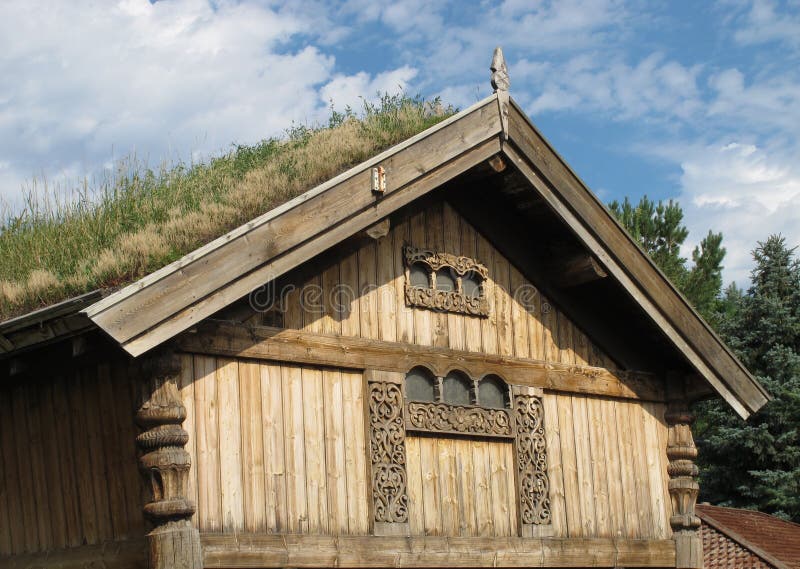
point(161, 305)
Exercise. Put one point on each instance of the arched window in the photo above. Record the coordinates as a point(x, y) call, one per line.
point(420, 385)
point(493, 392)
point(471, 285)
point(457, 389)
point(419, 275)
point(445, 280)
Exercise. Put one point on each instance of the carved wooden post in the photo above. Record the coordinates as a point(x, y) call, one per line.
point(683, 487)
point(173, 542)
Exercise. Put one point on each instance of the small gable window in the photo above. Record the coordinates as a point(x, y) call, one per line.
point(471, 285)
point(445, 282)
point(420, 385)
point(419, 276)
point(493, 392)
point(457, 389)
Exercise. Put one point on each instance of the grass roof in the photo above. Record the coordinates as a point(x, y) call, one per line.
point(141, 219)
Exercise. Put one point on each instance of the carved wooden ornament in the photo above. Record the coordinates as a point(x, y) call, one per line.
point(445, 300)
point(460, 420)
point(387, 437)
point(173, 542)
point(531, 456)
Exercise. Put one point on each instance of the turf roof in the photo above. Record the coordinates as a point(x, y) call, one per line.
point(140, 219)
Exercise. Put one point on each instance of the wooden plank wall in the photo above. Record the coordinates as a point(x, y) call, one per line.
point(275, 448)
point(522, 322)
point(607, 467)
point(68, 469)
point(461, 487)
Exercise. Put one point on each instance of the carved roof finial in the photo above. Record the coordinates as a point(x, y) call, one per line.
point(500, 81)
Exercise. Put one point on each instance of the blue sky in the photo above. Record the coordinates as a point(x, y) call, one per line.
point(696, 101)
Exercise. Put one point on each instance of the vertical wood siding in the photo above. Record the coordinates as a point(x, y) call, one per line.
point(461, 487)
point(607, 467)
point(68, 469)
point(362, 295)
point(278, 448)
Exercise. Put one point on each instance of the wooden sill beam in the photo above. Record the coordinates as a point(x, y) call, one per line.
point(277, 344)
point(311, 551)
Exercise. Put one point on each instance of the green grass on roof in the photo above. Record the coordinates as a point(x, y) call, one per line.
point(141, 219)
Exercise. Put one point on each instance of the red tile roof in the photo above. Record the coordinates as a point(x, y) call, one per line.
point(745, 539)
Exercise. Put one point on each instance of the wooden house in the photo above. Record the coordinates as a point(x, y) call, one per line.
point(449, 355)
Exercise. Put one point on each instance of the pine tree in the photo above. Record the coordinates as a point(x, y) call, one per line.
point(659, 229)
point(757, 464)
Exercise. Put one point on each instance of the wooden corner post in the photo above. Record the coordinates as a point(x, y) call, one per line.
point(173, 542)
point(683, 486)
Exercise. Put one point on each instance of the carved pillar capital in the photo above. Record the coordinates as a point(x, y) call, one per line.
point(683, 486)
point(165, 465)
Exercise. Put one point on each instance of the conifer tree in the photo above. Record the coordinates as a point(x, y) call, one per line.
point(756, 464)
point(659, 229)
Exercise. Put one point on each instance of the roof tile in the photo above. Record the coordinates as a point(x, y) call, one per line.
point(747, 539)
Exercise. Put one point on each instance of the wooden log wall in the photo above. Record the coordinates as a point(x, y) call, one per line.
point(275, 448)
point(69, 475)
point(522, 323)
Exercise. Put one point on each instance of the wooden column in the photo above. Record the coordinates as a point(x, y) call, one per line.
point(173, 542)
point(683, 487)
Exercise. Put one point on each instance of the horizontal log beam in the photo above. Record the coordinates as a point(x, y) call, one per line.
point(276, 344)
point(579, 270)
point(303, 551)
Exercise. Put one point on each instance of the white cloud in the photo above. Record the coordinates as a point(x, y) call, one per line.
point(744, 190)
point(653, 87)
point(771, 102)
point(348, 90)
point(768, 21)
point(83, 80)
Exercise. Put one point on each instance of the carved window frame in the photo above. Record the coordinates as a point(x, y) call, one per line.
point(432, 298)
point(442, 417)
point(391, 416)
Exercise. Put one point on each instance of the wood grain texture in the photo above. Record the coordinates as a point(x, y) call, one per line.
point(515, 327)
point(289, 451)
point(68, 470)
point(431, 551)
point(276, 344)
point(598, 452)
point(360, 295)
point(460, 487)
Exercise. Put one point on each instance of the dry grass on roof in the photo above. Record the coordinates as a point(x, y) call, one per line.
point(140, 220)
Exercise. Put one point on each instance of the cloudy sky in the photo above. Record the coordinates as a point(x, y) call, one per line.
point(698, 101)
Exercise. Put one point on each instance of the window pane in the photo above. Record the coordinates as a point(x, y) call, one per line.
point(445, 280)
point(492, 392)
point(456, 388)
point(419, 276)
point(471, 285)
point(420, 385)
